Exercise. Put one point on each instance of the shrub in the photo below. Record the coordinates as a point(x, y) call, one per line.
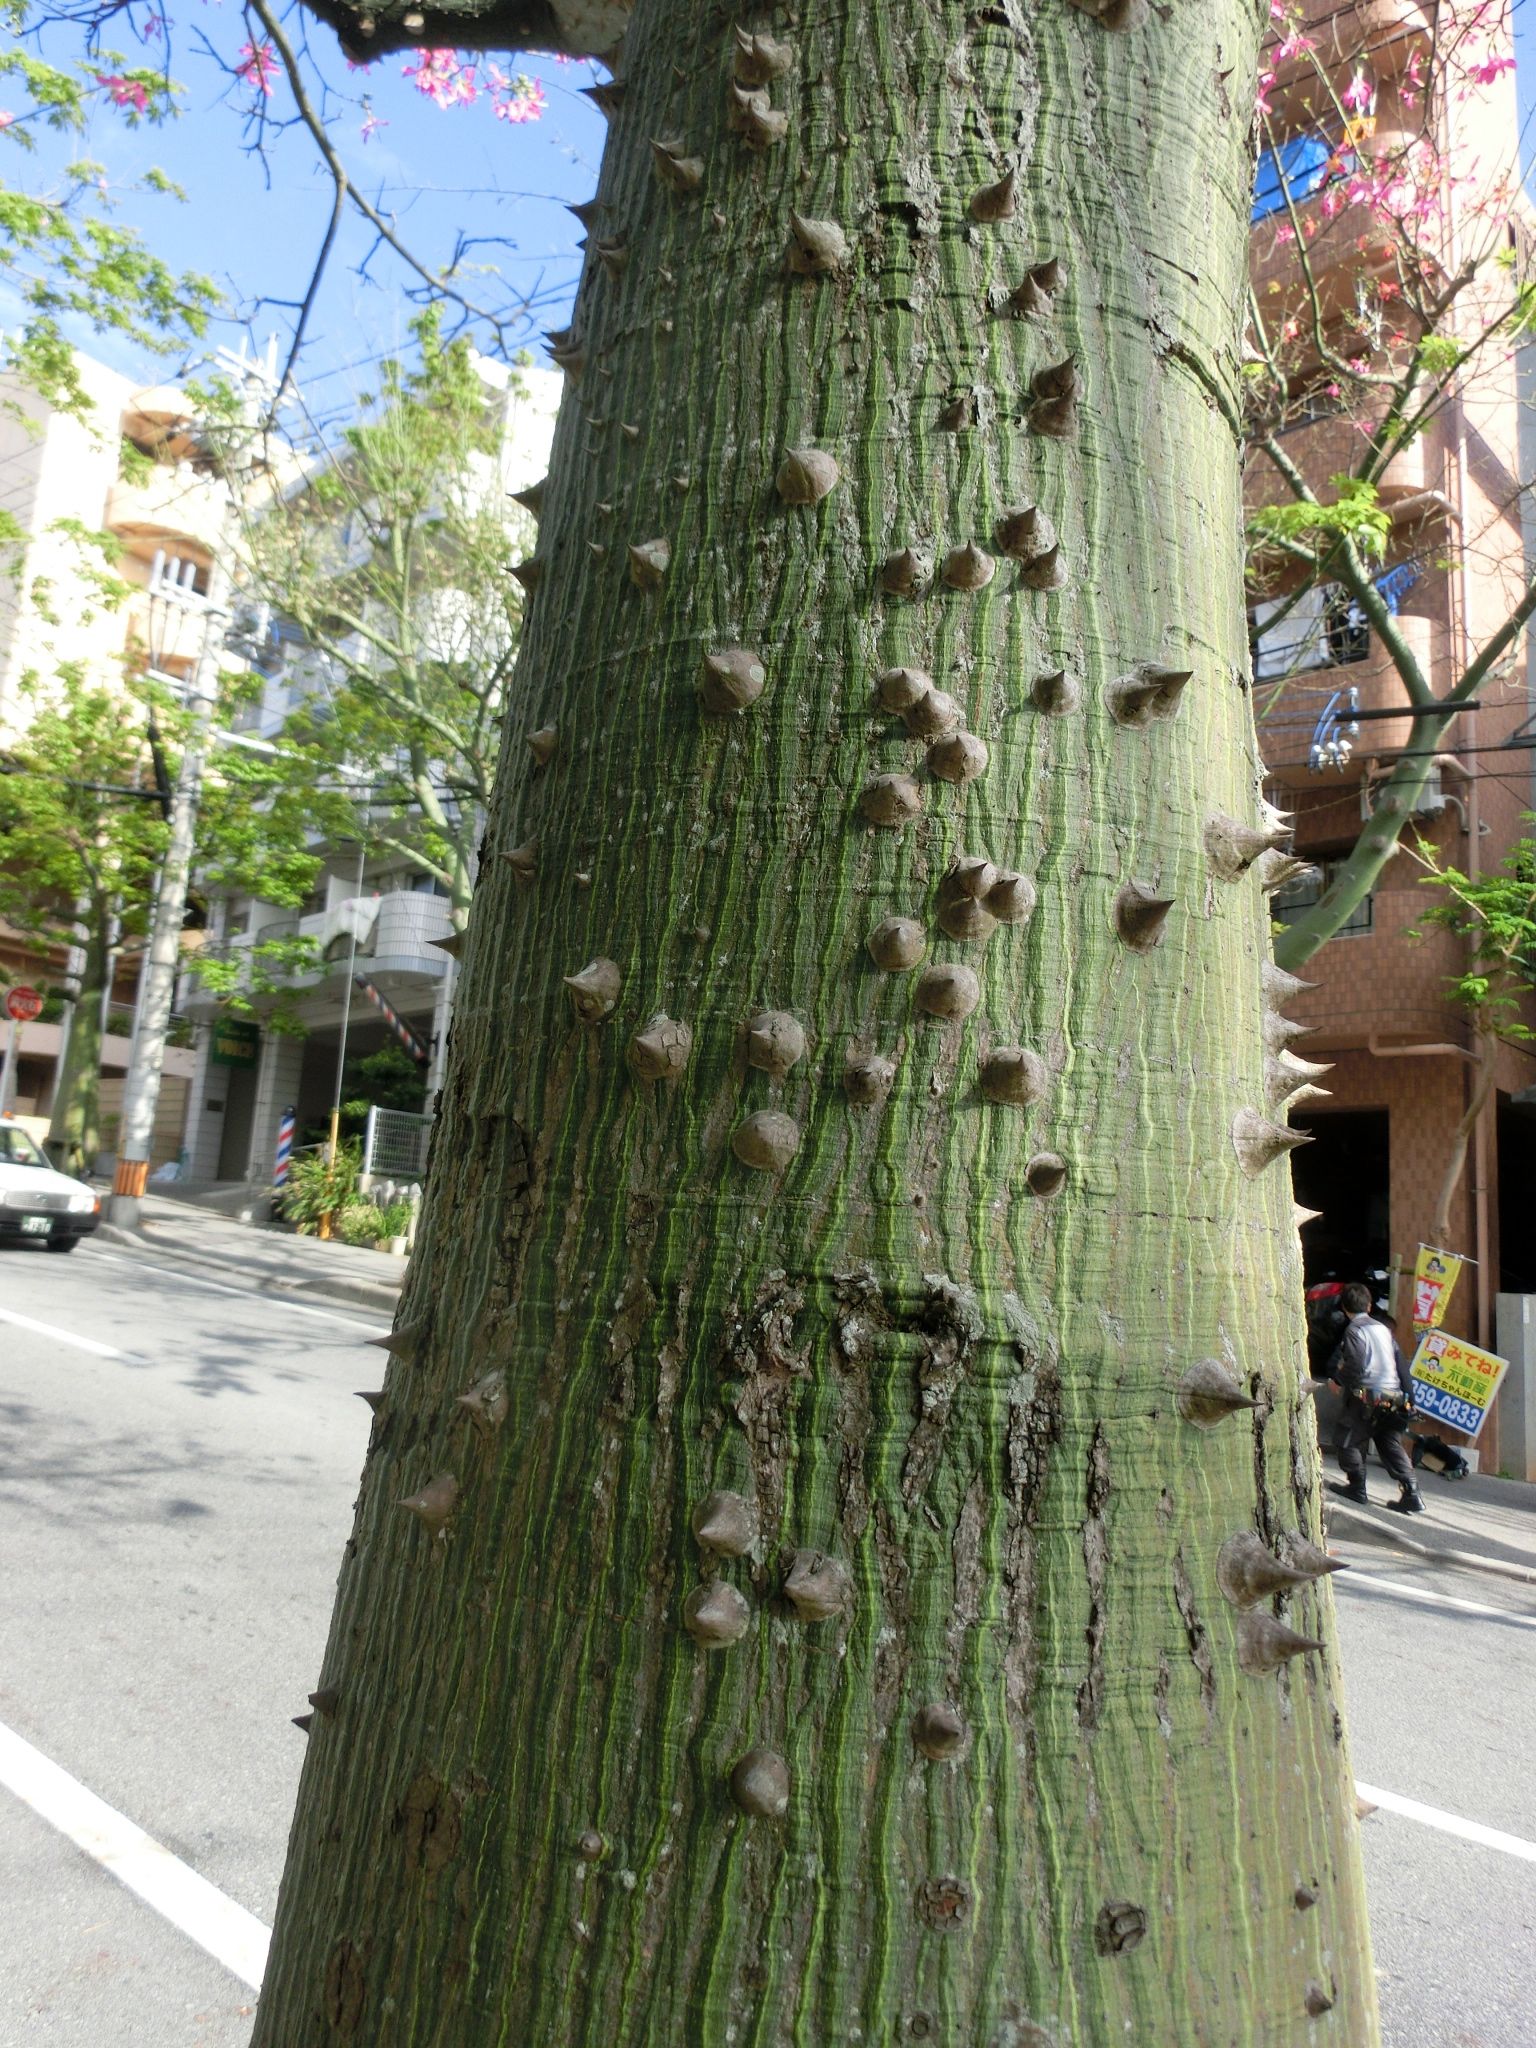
point(397, 1219)
point(360, 1223)
point(317, 1189)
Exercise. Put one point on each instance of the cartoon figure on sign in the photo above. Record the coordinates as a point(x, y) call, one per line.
point(1434, 1275)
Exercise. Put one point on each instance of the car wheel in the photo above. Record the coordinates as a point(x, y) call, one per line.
point(62, 1244)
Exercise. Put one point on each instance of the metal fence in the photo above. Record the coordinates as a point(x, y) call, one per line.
point(395, 1144)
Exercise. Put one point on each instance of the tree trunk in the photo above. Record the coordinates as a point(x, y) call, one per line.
point(983, 1753)
point(74, 1124)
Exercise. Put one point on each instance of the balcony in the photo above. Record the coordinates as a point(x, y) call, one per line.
point(173, 505)
point(388, 937)
point(1329, 653)
point(1384, 33)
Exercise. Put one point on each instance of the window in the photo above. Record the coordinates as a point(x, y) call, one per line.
point(1298, 168)
point(1287, 904)
point(1344, 627)
point(1323, 628)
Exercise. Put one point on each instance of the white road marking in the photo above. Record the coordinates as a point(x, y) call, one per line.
point(1345, 1580)
point(9, 1315)
point(1449, 1823)
point(230, 1934)
point(300, 1308)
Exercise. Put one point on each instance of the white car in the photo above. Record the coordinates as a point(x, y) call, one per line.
point(37, 1205)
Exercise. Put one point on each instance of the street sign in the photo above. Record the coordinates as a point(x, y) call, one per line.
point(23, 1004)
point(1454, 1381)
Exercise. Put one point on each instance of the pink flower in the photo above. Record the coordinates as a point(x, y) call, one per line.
point(126, 92)
point(1295, 45)
point(256, 64)
point(442, 78)
point(1490, 70)
point(154, 24)
point(6, 118)
point(1359, 95)
point(1285, 232)
point(525, 102)
point(372, 123)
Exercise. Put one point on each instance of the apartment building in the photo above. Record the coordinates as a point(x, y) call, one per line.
point(1457, 555)
point(61, 480)
point(374, 971)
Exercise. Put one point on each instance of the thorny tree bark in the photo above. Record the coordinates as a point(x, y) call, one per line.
point(835, 1559)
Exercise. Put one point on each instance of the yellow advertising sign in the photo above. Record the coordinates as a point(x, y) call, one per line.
point(1453, 1381)
point(1435, 1273)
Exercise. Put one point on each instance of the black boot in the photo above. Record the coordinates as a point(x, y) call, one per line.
point(1411, 1502)
point(1353, 1489)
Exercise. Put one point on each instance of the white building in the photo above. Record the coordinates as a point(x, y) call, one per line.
point(62, 480)
point(373, 925)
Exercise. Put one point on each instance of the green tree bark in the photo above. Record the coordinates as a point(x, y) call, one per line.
point(967, 1715)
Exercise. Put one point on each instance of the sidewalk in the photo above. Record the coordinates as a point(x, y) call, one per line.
point(1486, 1524)
point(266, 1260)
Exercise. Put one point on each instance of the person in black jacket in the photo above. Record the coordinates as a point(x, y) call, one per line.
point(1369, 1371)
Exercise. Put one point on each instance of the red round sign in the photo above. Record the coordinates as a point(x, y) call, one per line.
point(23, 1004)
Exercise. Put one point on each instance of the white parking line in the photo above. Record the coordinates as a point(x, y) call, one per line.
point(299, 1308)
point(228, 1933)
point(1357, 1581)
point(9, 1315)
point(1449, 1823)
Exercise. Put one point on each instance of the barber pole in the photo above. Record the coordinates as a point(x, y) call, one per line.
point(284, 1149)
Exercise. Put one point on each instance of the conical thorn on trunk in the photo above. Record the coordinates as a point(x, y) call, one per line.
point(435, 1503)
point(1208, 1393)
point(1141, 916)
point(1264, 1644)
point(1259, 1144)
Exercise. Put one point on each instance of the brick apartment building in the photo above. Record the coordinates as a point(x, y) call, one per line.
point(1456, 561)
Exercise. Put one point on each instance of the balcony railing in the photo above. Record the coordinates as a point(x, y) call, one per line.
point(390, 934)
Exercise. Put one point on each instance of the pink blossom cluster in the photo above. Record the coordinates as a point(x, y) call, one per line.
point(256, 66)
point(448, 81)
point(443, 77)
point(124, 92)
point(517, 99)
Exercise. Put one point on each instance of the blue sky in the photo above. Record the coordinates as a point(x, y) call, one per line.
point(253, 220)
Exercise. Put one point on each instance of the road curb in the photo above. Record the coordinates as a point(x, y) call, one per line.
point(376, 1295)
point(1340, 1512)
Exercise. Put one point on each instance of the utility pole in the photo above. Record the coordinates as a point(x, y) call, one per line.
point(141, 1089)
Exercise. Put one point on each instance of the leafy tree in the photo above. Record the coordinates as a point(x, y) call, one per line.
point(63, 255)
point(394, 561)
point(80, 837)
point(1494, 917)
point(836, 1559)
point(1394, 283)
point(82, 831)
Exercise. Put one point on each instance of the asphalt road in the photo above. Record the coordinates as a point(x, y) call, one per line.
point(173, 1505)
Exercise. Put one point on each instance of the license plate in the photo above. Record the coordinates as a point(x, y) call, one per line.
point(37, 1226)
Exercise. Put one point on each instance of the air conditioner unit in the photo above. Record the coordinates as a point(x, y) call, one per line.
point(1431, 800)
